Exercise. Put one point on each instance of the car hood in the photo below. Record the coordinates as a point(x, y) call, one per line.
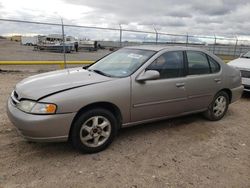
point(42, 85)
point(241, 63)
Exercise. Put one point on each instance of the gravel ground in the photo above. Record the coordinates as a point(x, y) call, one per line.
point(183, 152)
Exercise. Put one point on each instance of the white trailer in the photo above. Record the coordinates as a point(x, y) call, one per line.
point(29, 40)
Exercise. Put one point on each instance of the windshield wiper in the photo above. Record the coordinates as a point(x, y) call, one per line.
point(99, 72)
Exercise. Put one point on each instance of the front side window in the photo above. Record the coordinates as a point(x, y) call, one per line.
point(169, 65)
point(121, 63)
point(197, 63)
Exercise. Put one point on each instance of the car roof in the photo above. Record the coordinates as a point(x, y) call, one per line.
point(158, 48)
point(163, 47)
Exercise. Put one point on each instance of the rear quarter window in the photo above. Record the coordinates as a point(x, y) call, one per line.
point(214, 65)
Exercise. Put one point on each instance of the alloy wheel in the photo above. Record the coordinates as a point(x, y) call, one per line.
point(219, 106)
point(95, 131)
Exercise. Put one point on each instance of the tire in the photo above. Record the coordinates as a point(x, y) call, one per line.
point(218, 108)
point(94, 130)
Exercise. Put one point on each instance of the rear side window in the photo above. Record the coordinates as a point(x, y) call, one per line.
point(215, 67)
point(197, 63)
point(169, 65)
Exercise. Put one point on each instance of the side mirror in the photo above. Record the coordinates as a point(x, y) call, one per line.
point(148, 75)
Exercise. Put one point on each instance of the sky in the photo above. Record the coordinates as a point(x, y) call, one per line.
point(227, 18)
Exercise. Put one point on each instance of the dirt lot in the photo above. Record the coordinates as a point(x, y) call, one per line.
point(19, 52)
point(182, 152)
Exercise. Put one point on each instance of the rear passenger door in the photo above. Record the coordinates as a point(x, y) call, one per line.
point(203, 79)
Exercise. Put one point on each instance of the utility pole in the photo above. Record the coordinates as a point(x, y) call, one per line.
point(63, 37)
point(235, 47)
point(214, 43)
point(120, 35)
point(156, 35)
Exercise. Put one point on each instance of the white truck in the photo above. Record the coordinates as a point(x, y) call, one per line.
point(29, 40)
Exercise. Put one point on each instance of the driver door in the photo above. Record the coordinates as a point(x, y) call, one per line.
point(165, 96)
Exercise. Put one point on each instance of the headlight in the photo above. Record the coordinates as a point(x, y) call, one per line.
point(26, 105)
point(36, 108)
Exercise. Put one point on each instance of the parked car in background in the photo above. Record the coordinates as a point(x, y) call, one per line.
point(243, 64)
point(133, 85)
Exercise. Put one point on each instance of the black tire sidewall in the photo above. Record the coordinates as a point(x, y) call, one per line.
point(75, 133)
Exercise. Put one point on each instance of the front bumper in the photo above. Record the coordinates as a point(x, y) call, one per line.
point(40, 128)
point(246, 84)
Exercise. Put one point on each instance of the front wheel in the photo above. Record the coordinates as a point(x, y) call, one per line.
point(218, 108)
point(94, 130)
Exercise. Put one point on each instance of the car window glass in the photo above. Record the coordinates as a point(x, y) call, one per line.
point(122, 63)
point(215, 67)
point(169, 65)
point(197, 63)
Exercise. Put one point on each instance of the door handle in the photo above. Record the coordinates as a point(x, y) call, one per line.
point(180, 84)
point(217, 80)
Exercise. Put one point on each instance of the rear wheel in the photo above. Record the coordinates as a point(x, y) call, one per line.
point(94, 130)
point(218, 108)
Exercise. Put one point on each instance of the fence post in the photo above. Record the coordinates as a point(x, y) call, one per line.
point(120, 35)
point(63, 37)
point(156, 35)
point(235, 46)
point(187, 40)
point(214, 44)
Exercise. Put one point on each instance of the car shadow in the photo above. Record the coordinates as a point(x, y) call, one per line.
point(171, 125)
point(51, 147)
point(246, 95)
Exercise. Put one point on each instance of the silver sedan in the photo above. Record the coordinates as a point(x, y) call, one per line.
point(87, 106)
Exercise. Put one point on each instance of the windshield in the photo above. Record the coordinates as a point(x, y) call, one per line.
point(246, 55)
point(121, 63)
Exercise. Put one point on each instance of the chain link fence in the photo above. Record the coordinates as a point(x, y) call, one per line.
point(71, 37)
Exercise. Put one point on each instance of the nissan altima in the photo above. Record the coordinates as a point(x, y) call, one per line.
point(134, 85)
